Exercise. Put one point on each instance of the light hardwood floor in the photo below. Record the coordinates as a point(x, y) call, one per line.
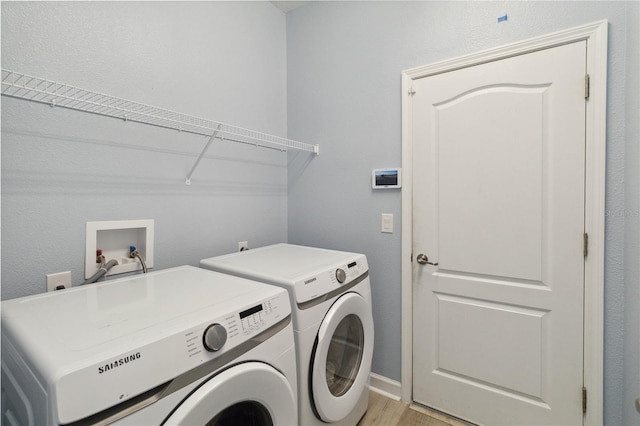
point(385, 411)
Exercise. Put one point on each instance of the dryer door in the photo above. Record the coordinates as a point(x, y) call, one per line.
point(341, 359)
point(251, 393)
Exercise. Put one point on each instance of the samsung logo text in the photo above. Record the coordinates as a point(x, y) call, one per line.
point(117, 363)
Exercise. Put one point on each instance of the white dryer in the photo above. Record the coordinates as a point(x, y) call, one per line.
point(173, 347)
point(330, 294)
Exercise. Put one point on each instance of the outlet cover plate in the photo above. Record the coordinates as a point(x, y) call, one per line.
point(58, 279)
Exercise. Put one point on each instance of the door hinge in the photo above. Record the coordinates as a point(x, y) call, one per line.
point(586, 86)
point(411, 91)
point(584, 400)
point(585, 245)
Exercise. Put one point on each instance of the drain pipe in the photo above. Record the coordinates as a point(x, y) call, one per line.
point(101, 272)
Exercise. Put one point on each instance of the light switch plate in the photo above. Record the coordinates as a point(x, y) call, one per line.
point(387, 223)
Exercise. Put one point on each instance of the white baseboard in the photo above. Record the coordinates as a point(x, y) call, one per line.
point(385, 386)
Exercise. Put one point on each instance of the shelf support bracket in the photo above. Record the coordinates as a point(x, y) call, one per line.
point(204, 151)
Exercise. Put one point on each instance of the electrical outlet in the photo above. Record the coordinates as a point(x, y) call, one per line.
point(243, 245)
point(59, 281)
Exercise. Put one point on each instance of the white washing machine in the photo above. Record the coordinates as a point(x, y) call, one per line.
point(181, 346)
point(330, 294)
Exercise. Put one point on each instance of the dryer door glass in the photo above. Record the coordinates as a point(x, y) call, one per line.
point(345, 355)
point(249, 413)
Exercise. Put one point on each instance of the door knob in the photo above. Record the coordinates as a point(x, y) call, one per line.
point(424, 260)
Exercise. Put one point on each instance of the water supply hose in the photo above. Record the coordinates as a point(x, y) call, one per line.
point(133, 253)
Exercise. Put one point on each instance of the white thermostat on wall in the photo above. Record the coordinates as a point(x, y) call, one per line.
point(386, 178)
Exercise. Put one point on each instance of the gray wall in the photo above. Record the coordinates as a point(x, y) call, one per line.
point(224, 61)
point(344, 65)
point(329, 74)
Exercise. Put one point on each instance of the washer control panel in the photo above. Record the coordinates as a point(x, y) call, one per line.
point(222, 334)
point(328, 280)
point(252, 320)
point(256, 317)
point(214, 337)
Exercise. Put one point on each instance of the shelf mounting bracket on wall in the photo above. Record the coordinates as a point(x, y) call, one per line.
point(204, 150)
point(35, 89)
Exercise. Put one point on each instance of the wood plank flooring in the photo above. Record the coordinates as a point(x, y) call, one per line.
point(385, 411)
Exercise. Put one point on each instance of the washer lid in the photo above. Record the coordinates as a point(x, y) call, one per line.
point(86, 317)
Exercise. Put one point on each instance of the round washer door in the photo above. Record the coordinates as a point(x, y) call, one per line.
point(341, 360)
point(248, 393)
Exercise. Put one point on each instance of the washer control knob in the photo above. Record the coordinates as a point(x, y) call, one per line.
point(341, 275)
point(214, 337)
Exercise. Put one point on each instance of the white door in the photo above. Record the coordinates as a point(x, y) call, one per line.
point(341, 359)
point(499, 164)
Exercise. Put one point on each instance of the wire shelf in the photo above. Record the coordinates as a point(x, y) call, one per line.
point(36, 89)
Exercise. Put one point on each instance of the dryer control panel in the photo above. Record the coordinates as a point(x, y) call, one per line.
point(329, 280)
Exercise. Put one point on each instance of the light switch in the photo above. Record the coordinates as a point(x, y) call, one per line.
point(387, 223)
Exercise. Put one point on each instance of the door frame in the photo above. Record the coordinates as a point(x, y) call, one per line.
point(596, 36)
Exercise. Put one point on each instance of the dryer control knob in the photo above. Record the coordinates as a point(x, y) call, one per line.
point(341, 275)
point(214, 337)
